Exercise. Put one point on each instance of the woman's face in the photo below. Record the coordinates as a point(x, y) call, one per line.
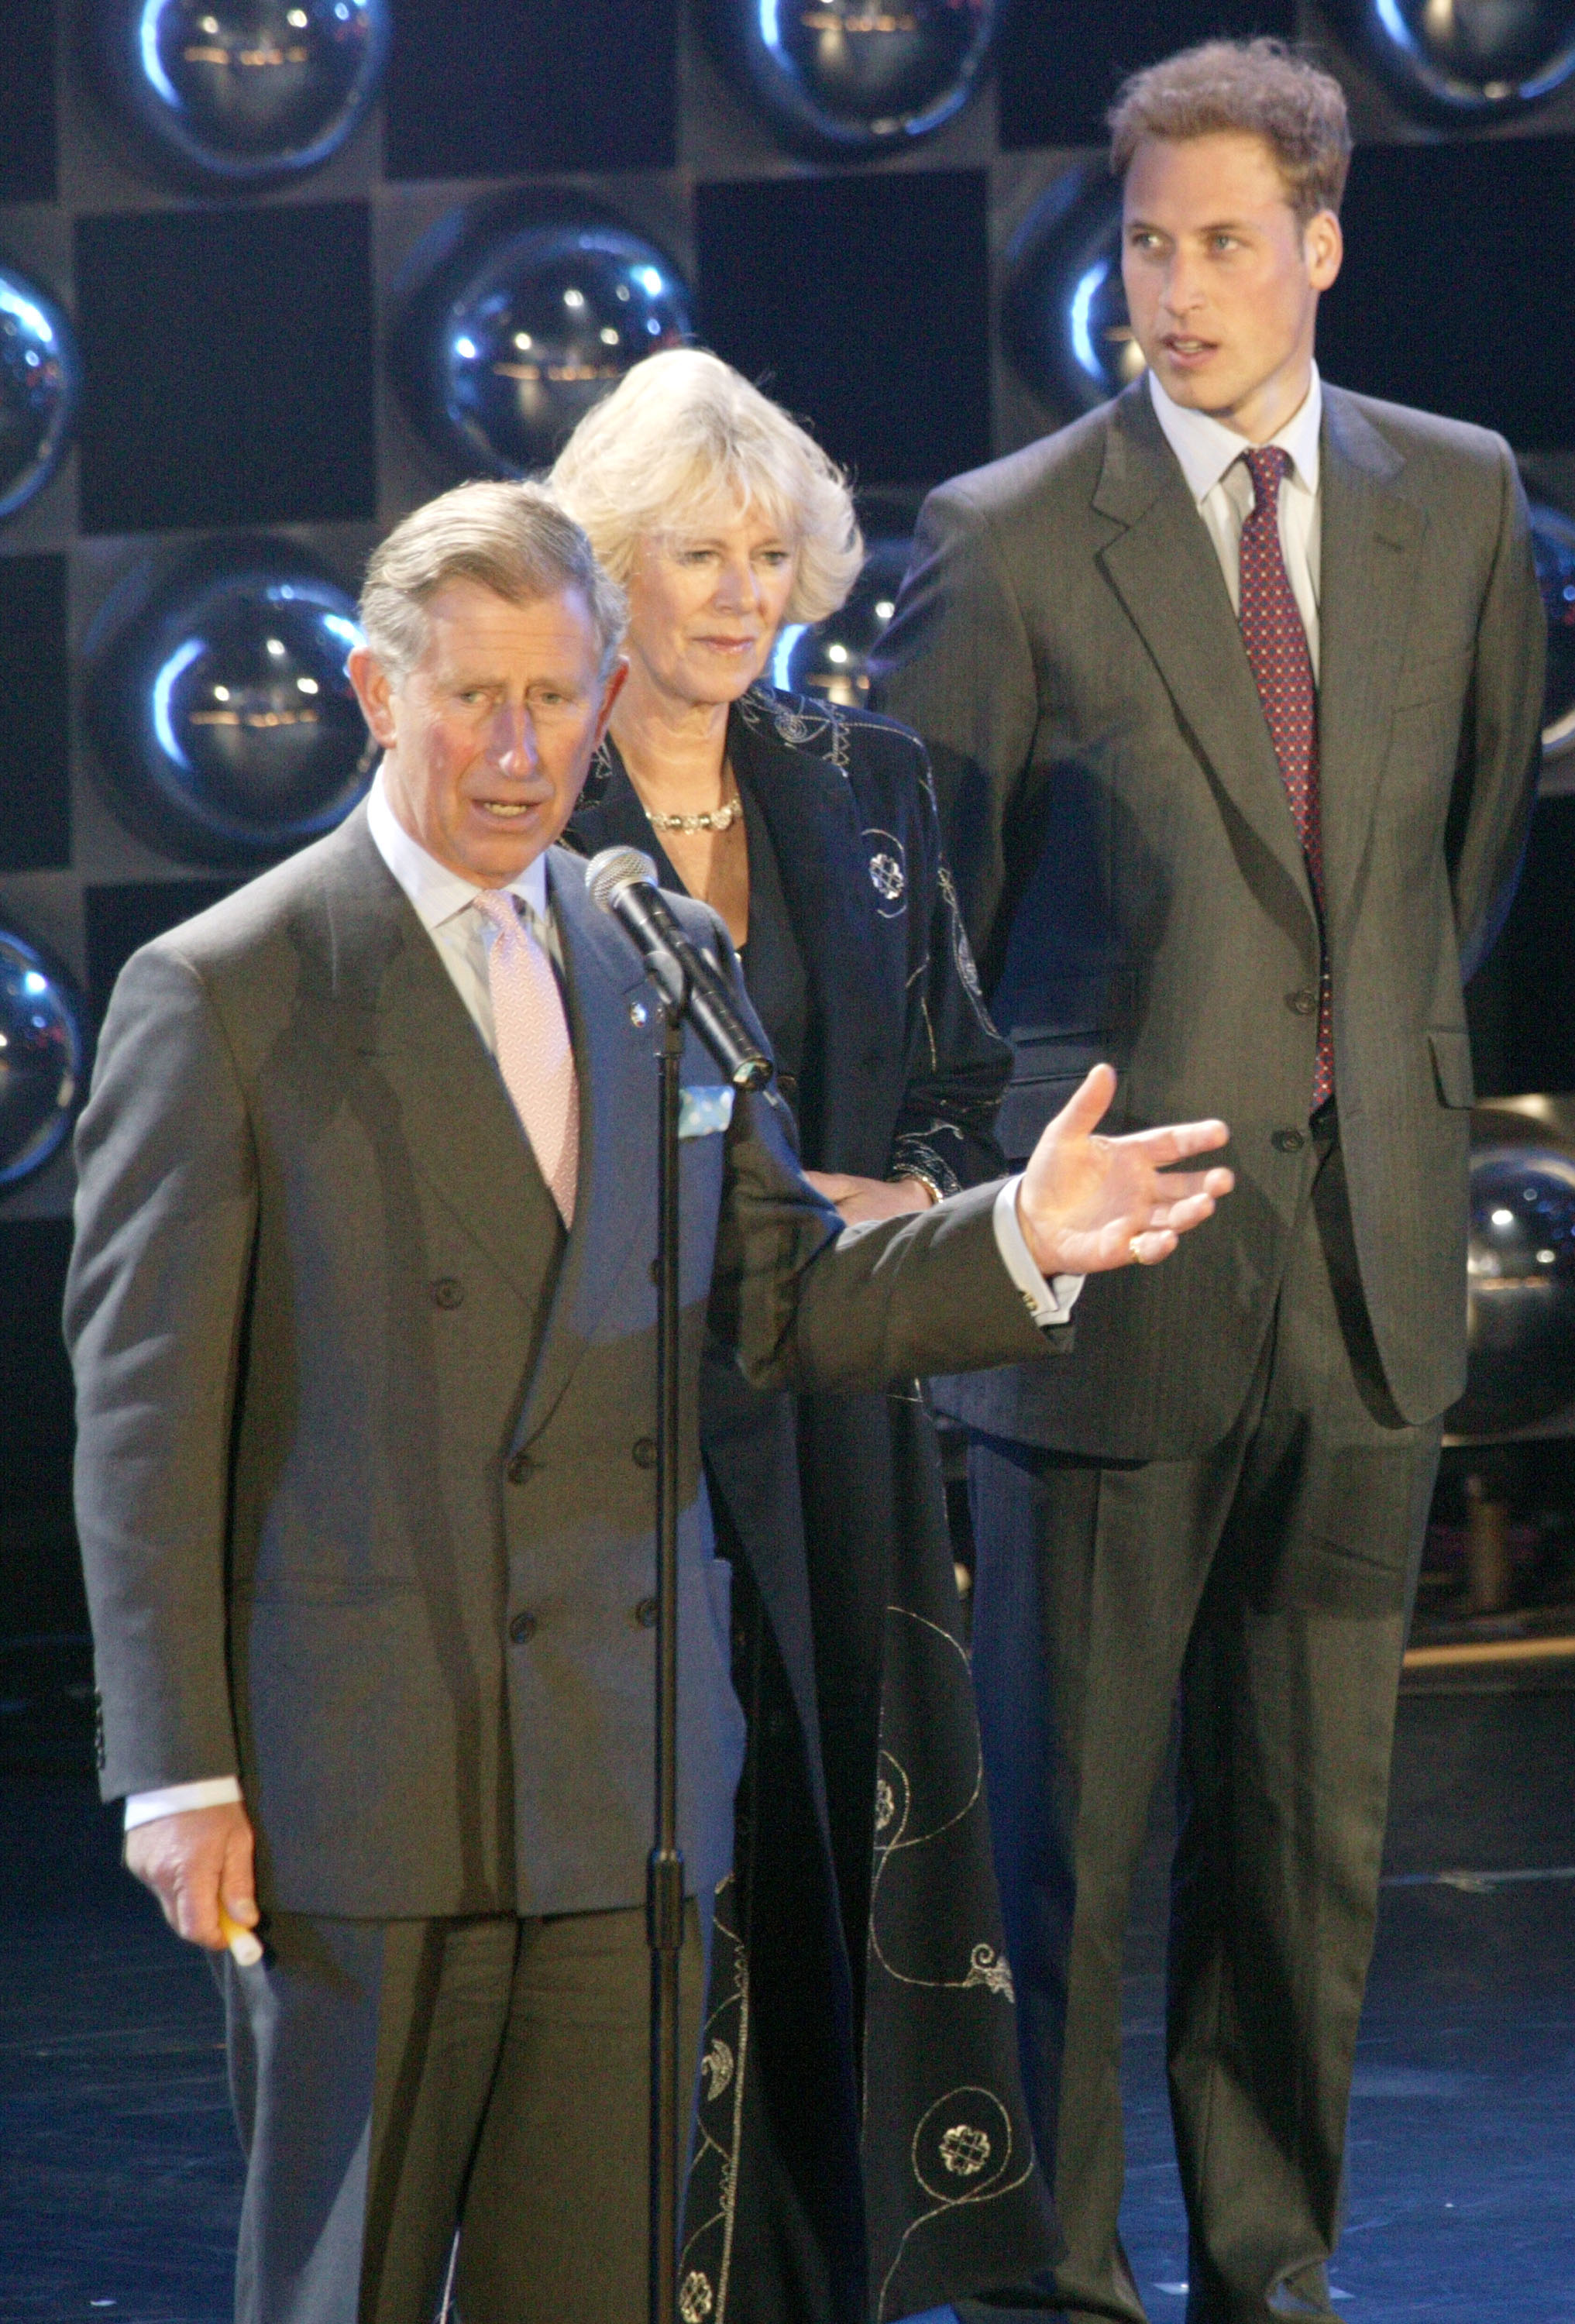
point(704, 608)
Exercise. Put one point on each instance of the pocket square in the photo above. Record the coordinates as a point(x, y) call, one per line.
point(704, 1110)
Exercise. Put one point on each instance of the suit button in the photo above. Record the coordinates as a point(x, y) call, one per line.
point(1302, 1004)
point(522, 1628)
point(645, 1451)
point(517, 1472)
point(447, 1292)
point(1287, 1141)
point(645, 1613)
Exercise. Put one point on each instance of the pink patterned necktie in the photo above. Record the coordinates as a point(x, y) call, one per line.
point(1276, 647)
point(535, 1055)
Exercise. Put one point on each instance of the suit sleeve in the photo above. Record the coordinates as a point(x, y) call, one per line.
point(166, 1211)
point(955, 664)
point(1496, 783)
point(958, 1064)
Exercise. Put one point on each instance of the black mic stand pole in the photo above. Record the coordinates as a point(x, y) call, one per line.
point(665, 1870)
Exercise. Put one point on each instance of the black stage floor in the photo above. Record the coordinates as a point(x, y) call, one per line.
point(119, 2177)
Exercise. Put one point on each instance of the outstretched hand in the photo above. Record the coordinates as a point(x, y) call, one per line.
point(1087, 1204)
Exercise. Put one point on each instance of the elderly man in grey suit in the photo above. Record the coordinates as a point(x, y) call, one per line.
point(1233, 692)
point(362, 1318)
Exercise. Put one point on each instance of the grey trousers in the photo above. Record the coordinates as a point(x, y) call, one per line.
point(1265, 1585)
point(394, 2082)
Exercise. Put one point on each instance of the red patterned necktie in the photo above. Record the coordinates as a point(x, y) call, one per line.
point(1276, 647)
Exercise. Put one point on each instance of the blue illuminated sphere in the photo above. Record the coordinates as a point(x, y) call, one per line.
point(1521, 1290)
point(832, 658)
point(43, 1056)
point(847, 79)
point(522, 321)
point(1462, 61)
point(40, 389)
point(1063, 311)
point(1553, 547)
point(237, 93)
point(225, 722)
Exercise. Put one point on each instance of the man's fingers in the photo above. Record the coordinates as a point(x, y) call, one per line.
point(1088, 1105)
point(1175, 1141)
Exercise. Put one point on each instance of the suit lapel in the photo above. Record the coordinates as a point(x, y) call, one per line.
point(459, 1126)
point(1164, 568)
point(1372, 537)
point(615, 1201)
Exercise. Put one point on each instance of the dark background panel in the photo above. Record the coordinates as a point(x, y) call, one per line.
point(1454, 293)
point(1536, 958)
point(229, 359)
point(41, 1587)
point(27, 101)
point(1063, 60)
point(862, 303)
point(506, 88)
point(35, 715)
point(118, 919)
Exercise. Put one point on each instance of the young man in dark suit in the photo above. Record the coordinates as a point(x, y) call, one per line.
point(363, 1324)
point(1232, 689)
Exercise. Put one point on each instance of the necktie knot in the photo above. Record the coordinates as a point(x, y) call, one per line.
point(498, 906)
point(1267, 465)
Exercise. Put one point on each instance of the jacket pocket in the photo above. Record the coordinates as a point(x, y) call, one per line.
point(1451, 1065)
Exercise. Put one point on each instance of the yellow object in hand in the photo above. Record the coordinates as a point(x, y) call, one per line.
point(245, 1945)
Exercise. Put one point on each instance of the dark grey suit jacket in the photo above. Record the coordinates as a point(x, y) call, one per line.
point(1135, 886)
point(351, 1405)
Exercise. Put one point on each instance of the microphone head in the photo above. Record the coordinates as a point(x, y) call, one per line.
point(615, 869)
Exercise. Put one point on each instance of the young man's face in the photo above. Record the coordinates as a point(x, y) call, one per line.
point(1223, 278)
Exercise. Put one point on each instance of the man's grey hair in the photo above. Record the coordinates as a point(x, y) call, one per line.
point(513, 538)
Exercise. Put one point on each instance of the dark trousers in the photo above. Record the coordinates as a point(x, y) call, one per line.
point(396, 2081)
point(1266, 1585)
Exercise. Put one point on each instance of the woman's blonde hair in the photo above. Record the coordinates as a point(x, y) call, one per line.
point(683, 436)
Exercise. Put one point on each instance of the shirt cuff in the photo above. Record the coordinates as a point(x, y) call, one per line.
point(146, 1807)
point(1049, 1301)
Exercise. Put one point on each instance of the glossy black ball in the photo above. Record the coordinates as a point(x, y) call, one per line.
point(236, 93)
point(1553, 547)
point(1521, 1290)
point(43, 1056)
point(1063, 311)
point(41, 385)
point(225, 722)
point(846, 79)
point(1466, 59)
point(519, 322)
point(832, 658)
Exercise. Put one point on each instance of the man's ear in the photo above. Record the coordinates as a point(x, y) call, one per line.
point(374, 692)
point(614, 688)
point(1325, 247)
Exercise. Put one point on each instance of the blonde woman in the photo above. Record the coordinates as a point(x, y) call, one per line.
point(861, 1944)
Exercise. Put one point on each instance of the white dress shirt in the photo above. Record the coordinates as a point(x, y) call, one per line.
point(1213, 461)
point(443, 902)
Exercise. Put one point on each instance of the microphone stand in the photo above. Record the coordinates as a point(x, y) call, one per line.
point(664, 1904)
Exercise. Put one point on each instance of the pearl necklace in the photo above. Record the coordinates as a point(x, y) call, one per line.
point(716, 819)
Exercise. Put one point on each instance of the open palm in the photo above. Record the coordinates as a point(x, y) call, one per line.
point(1088, 1203)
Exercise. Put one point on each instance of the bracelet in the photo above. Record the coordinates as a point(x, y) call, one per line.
point(923, 1179)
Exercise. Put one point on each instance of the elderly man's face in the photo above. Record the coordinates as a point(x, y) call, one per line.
point(486, 742)
point(704, 609)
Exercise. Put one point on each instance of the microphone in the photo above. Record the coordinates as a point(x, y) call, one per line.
point(623, 882)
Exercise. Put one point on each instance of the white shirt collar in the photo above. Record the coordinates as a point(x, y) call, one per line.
point(1206, 448)
point(437, 893)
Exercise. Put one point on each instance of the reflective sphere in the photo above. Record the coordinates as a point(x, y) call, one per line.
point(1459, 59)
point(1521, 1298)
point(40, 386)
point(832, 657)
point(512, 335)
point(844, 79)
point(1063, 311)
point(1553, 547)
point(237, 92)
point(43, 1056)
point(226, 727)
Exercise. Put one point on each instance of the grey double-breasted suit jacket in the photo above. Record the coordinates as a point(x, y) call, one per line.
point(1135, 890)
point(363, 1484)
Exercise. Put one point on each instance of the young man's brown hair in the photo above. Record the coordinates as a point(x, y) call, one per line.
point(1257, 87)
